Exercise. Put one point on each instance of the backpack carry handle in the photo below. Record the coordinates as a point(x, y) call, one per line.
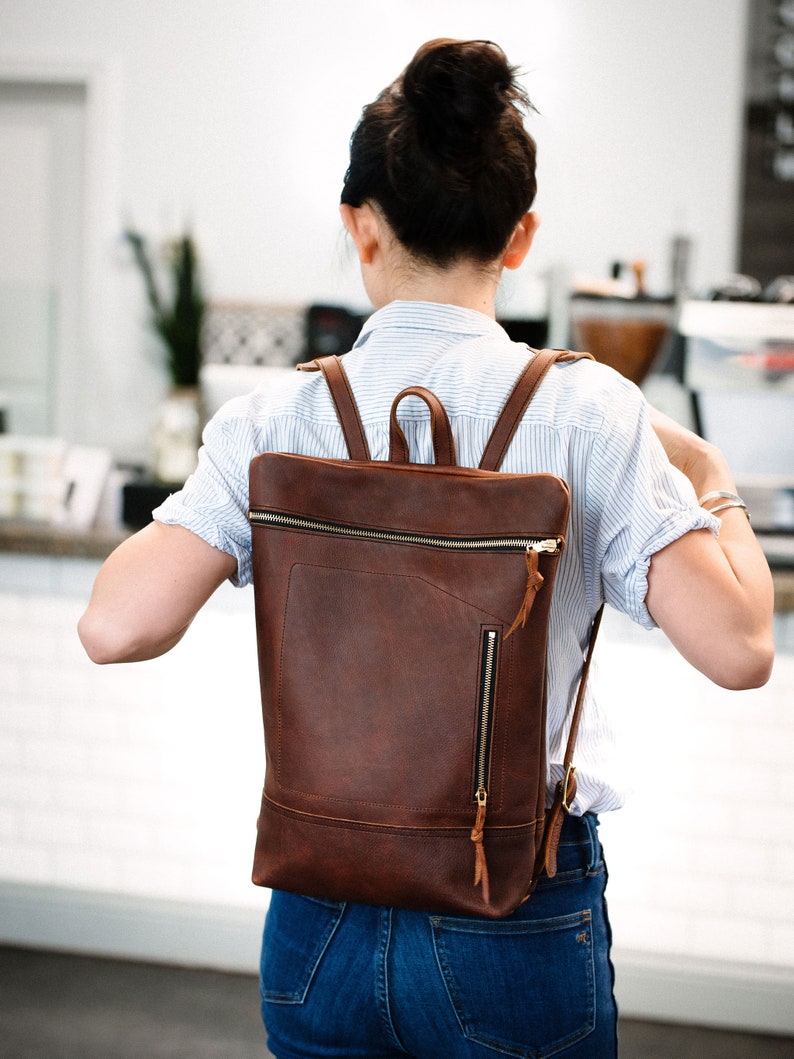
point(443, 441)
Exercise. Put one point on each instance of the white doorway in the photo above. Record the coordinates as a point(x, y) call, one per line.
point(42, 253)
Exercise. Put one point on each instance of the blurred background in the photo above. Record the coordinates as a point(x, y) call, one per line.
point(169, 237)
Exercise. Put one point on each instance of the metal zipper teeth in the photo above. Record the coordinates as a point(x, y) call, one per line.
point(547, 545)
point(486, 702)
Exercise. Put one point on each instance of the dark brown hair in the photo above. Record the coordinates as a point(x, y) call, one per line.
point(444, 154)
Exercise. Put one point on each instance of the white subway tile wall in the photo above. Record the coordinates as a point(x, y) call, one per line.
point(137, 779)
point(145, 779)
point(700, 858)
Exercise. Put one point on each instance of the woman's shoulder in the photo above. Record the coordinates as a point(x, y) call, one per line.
point(586, 394)
point(280, 394)
point(594, 378)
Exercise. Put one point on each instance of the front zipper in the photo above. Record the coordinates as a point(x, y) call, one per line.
point(490, 648)
point(488, 670)
point(535, 543)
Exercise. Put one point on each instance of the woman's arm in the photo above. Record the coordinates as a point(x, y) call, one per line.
point(148, 592)
point(713, 598)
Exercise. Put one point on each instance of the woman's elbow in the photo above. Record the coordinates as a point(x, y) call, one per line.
point(749, 667)
point(101, 642)
point(106, 641)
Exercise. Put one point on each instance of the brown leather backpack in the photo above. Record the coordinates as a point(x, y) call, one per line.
point(402, 615)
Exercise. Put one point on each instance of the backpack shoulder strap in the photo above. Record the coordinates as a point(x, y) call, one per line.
point(513, 411)
point(344, 403)
point(506, 425)
point(565, 791)
point(517, 402)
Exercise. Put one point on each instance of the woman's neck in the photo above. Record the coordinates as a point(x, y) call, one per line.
point(392, 273)
point(467, 285)
point(396, 275)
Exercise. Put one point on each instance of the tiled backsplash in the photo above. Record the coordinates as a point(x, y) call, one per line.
point(249, 334)
point(144, 779)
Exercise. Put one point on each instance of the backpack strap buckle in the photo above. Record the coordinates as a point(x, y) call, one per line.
point(568, 788)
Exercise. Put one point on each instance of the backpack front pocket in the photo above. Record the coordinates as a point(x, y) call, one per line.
point(367, 710)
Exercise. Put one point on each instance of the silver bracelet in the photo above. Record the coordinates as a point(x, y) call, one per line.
point(731, 503)
point(719, 494)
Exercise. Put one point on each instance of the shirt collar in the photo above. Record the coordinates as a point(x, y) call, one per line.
point(429, 316)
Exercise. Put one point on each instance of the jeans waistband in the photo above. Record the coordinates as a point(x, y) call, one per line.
point(582, 831)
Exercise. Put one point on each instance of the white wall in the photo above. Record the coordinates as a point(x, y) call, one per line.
point(235, 117)
point(129, 794)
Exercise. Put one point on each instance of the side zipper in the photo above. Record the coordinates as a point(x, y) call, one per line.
point(488, 673)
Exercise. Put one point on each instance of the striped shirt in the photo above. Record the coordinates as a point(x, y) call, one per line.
point(586, 424)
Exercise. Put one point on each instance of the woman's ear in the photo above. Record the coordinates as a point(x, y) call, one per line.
point(520, 241)
point(362, 225)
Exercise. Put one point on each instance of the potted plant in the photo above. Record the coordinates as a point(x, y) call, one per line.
point(176, 317)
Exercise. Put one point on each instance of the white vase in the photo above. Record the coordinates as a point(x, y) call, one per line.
point(177, 435)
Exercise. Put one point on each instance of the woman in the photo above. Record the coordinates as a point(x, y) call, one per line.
point(437, 200)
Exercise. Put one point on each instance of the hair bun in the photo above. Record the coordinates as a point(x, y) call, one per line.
point(457, 91)
point(443, 153)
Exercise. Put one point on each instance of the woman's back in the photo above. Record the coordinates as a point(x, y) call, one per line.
point(437, 201)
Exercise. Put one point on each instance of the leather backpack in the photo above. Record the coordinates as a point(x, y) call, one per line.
point(402, 620)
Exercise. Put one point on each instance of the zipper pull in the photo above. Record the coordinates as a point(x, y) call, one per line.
point(551, 545)
point(534, 582)
point(480, 863)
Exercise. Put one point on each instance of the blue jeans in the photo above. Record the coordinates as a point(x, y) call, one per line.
point(354, 980)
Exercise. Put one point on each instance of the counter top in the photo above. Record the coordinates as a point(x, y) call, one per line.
point(784, 590)
point(25, 538)
point(38, 538)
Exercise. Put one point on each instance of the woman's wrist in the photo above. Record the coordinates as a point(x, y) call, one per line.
point(709, 472)
point(718, 501)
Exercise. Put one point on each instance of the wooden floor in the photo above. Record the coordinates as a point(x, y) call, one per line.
point(59, 1006)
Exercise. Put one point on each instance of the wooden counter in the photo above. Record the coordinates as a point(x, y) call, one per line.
point(784, 590)
point(24, 538)
point(36, 538)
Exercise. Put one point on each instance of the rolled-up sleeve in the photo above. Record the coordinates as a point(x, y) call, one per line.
point(213, 503)
point(637, 504)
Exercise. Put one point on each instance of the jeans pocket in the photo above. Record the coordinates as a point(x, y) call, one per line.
point(298, 931)
point(523, 988)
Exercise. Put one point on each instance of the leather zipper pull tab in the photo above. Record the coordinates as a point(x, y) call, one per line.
point(534, 583)
point(477, 836)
